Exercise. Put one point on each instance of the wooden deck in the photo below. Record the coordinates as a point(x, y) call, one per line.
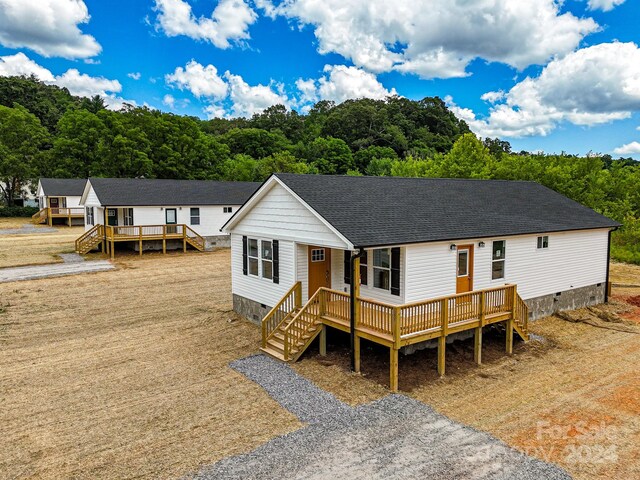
point(106, 236)
point(290, 327)
point(46, 215)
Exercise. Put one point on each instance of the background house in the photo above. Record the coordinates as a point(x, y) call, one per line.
point(59, 201)
point(204, 206)
point(423, 238)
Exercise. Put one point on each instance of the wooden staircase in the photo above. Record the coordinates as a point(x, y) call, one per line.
point(521, 318)
point(194, 239)
point(90, 239)
point(289, 328)
point(40, 217)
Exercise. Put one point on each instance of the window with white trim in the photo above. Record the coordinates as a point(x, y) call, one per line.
point(128, 216)
point(498, 259)
point(266, 255)
point(253, 256)
point(90, 218)
point(543, 242)
point(227, 209)
point(194, 215)
point(317, 255)
point(382, 268)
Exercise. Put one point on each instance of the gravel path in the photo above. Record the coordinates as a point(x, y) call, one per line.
point(395, 437)
point(27, 229)
point(16, 274)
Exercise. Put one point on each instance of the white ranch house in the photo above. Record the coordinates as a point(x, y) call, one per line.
point(431, 257)
point(59, 201)
point(158, 213)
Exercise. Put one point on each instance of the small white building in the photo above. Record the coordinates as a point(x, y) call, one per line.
point(421, 238)
point(404, 262)
point(59, 201)
point(202, 206)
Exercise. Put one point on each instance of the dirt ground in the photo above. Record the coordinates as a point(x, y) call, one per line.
point(35, 249)
point(13, 222)
point(124, 374)
point(571, 397)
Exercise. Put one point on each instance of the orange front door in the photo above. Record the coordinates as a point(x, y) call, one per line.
point(464, 269)
point(319, 268)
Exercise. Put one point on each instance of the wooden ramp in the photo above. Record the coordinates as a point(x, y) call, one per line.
point(290, 327)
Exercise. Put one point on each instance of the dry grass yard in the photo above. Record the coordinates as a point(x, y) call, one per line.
point(13, 222)
point(35, 249)
point(124, 374)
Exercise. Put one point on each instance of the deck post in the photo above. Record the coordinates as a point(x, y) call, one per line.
point(140, 239)
point(442, 345)
point(113, 248)
point(356, 354)
point(477, 347)
point(323, 340)
point(49, 217)
point(393, 369)
point(69, 215)
point(184, 238)
point(164, 239)
point(509, 326)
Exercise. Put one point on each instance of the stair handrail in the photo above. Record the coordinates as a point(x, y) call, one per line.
point(521, 316)
point(281, 311)
point(193, 236)
point(91, 233)
point(289, 334)
point(40, 214)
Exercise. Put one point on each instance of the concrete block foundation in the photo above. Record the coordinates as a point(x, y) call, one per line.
point(250, 309)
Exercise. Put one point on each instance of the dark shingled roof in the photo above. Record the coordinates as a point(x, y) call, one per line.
point(156, 192)
point(373, 211)
point(63, 187)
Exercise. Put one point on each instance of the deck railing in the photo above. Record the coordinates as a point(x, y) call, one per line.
point(291, 301)
point(47, 213)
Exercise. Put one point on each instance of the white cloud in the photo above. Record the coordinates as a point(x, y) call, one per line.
point(19, 64)
point(437, 38)
point(77, 83)
point(340, 83)
point(632, 148)
point(229, 21)
point(594, 85)
point(48, 27)
point(247, 100)
point(493, 97)
point(134, 75)
point(604, 5)
point(201, 81)
point(169, 101)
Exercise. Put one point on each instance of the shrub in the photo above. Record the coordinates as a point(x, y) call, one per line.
point(18, 211)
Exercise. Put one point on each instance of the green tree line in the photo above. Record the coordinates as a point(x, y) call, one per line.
point(45, 131)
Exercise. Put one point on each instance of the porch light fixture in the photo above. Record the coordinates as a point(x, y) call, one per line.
point(481, 244)
point(452, 247)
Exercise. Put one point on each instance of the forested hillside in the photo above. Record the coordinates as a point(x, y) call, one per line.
point(44, 131)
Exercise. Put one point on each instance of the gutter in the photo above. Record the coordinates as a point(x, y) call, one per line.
point(606, 288)
point(352, 294)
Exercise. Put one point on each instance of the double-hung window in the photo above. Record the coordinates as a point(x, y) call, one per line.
point(194, 214)
point(266, 254)
point(90, 219)
point(227, 209)
point(498, 259)
point(543, 242)
point(382, 268)
point(260, 258)
point(128, 216)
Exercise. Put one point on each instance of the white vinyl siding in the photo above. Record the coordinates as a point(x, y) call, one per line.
point(259, 289)
point(573, 259)
point(280, 215)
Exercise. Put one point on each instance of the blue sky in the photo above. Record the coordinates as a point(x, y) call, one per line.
point(544, 75)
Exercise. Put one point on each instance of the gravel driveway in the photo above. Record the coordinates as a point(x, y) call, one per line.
point(395, 437)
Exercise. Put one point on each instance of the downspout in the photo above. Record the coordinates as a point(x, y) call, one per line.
point(352, 293)
point(606, 285)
